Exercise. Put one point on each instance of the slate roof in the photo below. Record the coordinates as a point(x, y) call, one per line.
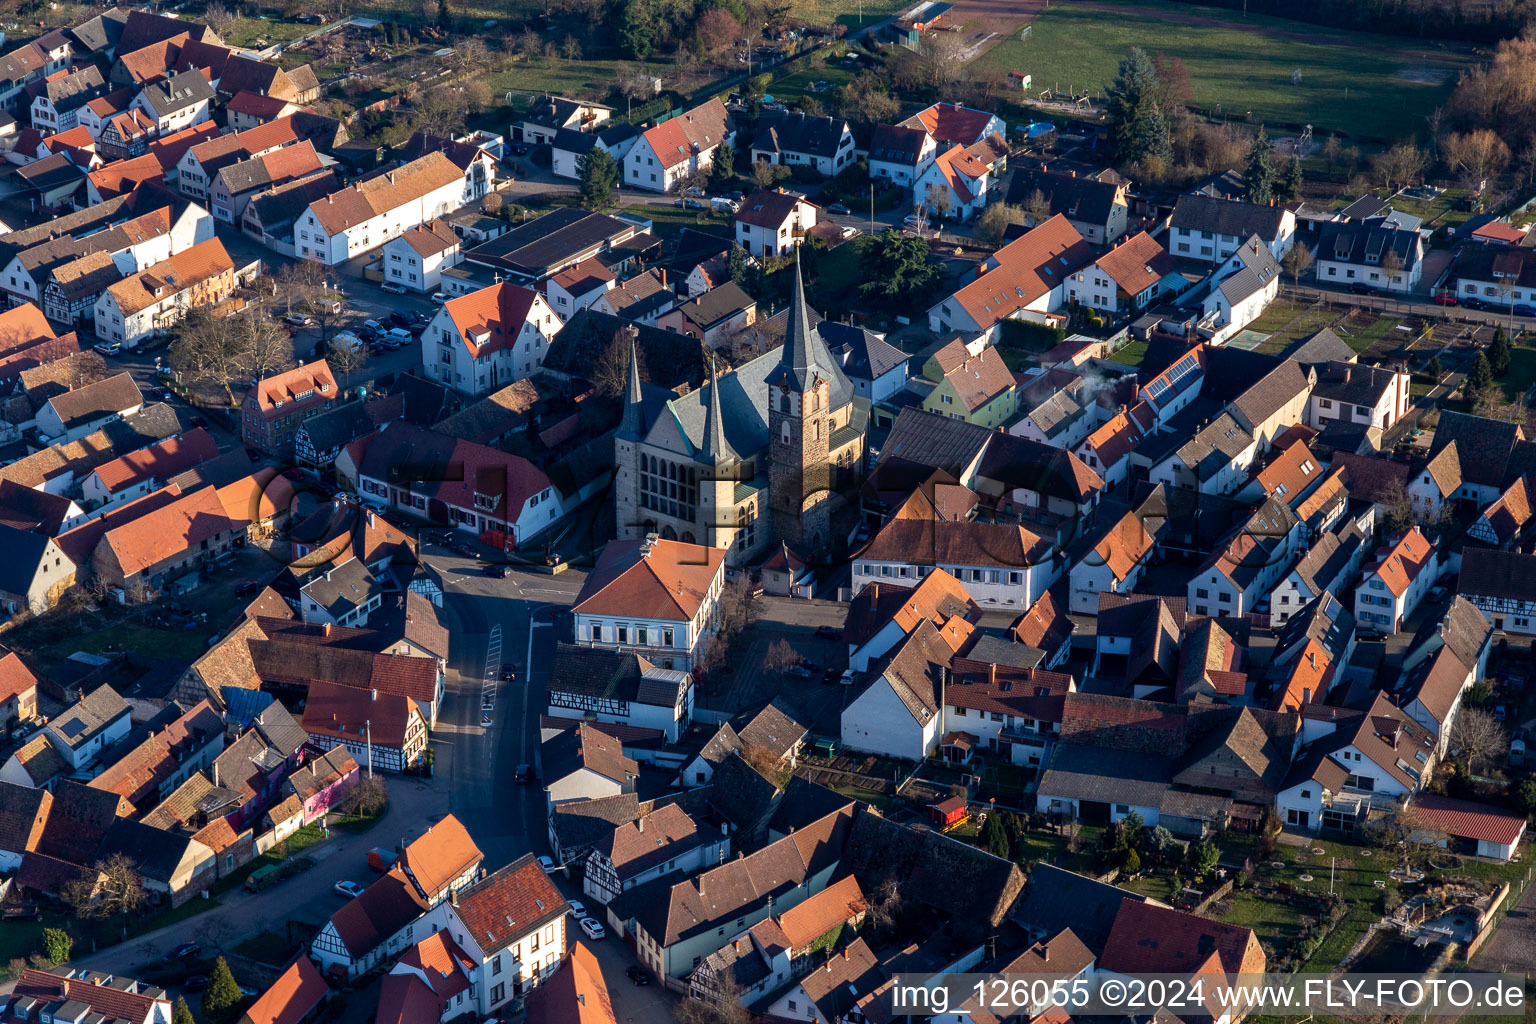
point(1497, 575)
point(1056, 899)
point(796, 132)
point(1223, 217)
point(1079, 197)
point(1483, 446)
point(1366, 243)
point(1322, 347)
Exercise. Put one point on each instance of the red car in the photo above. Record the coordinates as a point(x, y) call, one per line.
point(1444, 299)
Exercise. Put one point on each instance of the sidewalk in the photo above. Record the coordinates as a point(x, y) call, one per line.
point(414, 803)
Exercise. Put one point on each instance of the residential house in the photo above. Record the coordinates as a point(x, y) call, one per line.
point(1354, 762)
point(372, 211)
point(576, 991)
point(676, 922)
point(382, 730)
point(570, 147)
point(977, 388)
point(1496, 582)
point(1025, 279)
point(585, 763)
point(270, 215)
point(487, 339)
point(1215, 460)
point(1502, 522)
point(833, 993)
point(1185, 946)
point(1366, 397)
point(1497, 274)
point(247, 110)
point(1248, 565)
point(1400, 576)
point(1112, 565)
point(1240, 288)
point(178, 102)
point(73, 288)
point(56, 107)
point(1107, 449)
point(881, 615)
point(655, 844)
point(37, 573)
point(895, 708)
point(467, 486)
point(475, 161)
point(343, 593)
point(549, 114)
point(1131, 276)
point(417, 259)
point(89, 727)
point(824, 144)
point(434, 868)
point(677, 147)
point(1098, 210)
point(276, 407)
point(165, 543)
point(772, 222)
point(1001, 564)
point(235, 184)
point(151, 771)
point(85, 410)
point(1373, 252)
point(576, 287)
point(18, 691)
point(624, 688)
point(714, 316)
point(150, 303)
point(957, 185)
point(900, 155)
point(876, 368)
point(323, 783)
point(294, 998)
point(1326, 568)
point(1211, 230)
point(91, 994)
point(512, 925)
point(951, 124)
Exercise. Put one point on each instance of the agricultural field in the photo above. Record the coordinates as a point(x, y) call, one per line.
point(1367, 87)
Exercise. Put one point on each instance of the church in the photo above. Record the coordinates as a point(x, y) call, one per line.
point(758, 456)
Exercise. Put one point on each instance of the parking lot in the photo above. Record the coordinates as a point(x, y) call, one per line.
point(820, 704)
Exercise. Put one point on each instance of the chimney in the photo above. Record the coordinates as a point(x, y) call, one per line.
point(325, 629)
point(215, 771)
point(453, 897)
point(640, 824)
point(375, 696)
point(1045, 953)
point(581, 997)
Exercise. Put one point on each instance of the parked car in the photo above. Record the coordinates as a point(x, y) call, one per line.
point(828, 633)
point(496, 572)
point(439, 297)
point(829, 677)
point(837, 208)
point(691, 203)
point(107, 348)
point(578, 908)
point(594, 930)
point(1521, 309)
point(196, 983)
point(798, 672)
point(523, 775)
point(391, 288)
point(400, 334)
point(351, 890)
point(1499, 712)
point(1361, 288)
point(247, 587)
point(1443, 299)
point(184, 951)
point(401, 319)
point(548, 865)
point(299, 320)
point(637, 974)
point(374, 325)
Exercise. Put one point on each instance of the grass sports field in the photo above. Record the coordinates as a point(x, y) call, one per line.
point(1245, 64)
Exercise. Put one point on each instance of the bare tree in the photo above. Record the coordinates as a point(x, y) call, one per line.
point(206, 351)
point(263, 347)
point(719, 32)
point(993, 224)
point(885, 902)
point(472, 56)
point(570, 47)
point(309, 287)
point(634, 83)
point(440, 112)
point(610, 373)
point(1298, 261)
point(938, 200)
point(109, 887)
point(1475, 156)
point(368, 798)
point(941, 57)
point(220, 18)
point(780, 657)
point(738, 610)
point(1477, 736)
point(1403, 833)
point(720, 1003)
point(346, 359)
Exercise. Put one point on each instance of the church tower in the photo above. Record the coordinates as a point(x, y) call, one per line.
point(626, 457)
point(721, 467)
point(799, 394)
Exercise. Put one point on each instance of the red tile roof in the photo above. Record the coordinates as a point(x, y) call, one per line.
point(837, 904)
point(1467, 820)
point(15, 677)
point(1137, 263)
point(1025, 269)
point(509, 903)
point(167, 532)
point(1401, 563)
point(1148, 939)
point(311, 383)
point(574, 994)
point(341, 712)
point(491, 319)
point(160, 461)
point(669, 582)
point(291, 997)
point(438, 856)
point(111, 1002)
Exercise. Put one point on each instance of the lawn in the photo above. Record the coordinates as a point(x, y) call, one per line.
point(1287, 322)
point(838, 276)
point(1381, 328)
point(667, 220)
point(578, 79)
point(1130, 355)
point(255, 33)
point(266, 947)
point(792, 87)
point(879, 801)
point(1521, 375)
point(1361, 85)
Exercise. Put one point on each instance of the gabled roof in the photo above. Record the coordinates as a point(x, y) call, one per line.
point(117, 394)
point(1024, 270)
point(1137, 263)
point(292, 996)
point(950, 123)
point(1497, 575)
point(311, 381)
point(695, 131)
point(1468, 820)
point(1150, 939)
point(1223, 217)
point(1483, 446)
point(797, 132)
point(509, 903)
point(389, 190)
point(1081, 197)
point(1399, 563)
point(651, 579)
point(575, 994)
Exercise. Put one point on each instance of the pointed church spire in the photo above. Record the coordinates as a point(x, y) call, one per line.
point(633, 424)
point(804, 356)
point(717, 450)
